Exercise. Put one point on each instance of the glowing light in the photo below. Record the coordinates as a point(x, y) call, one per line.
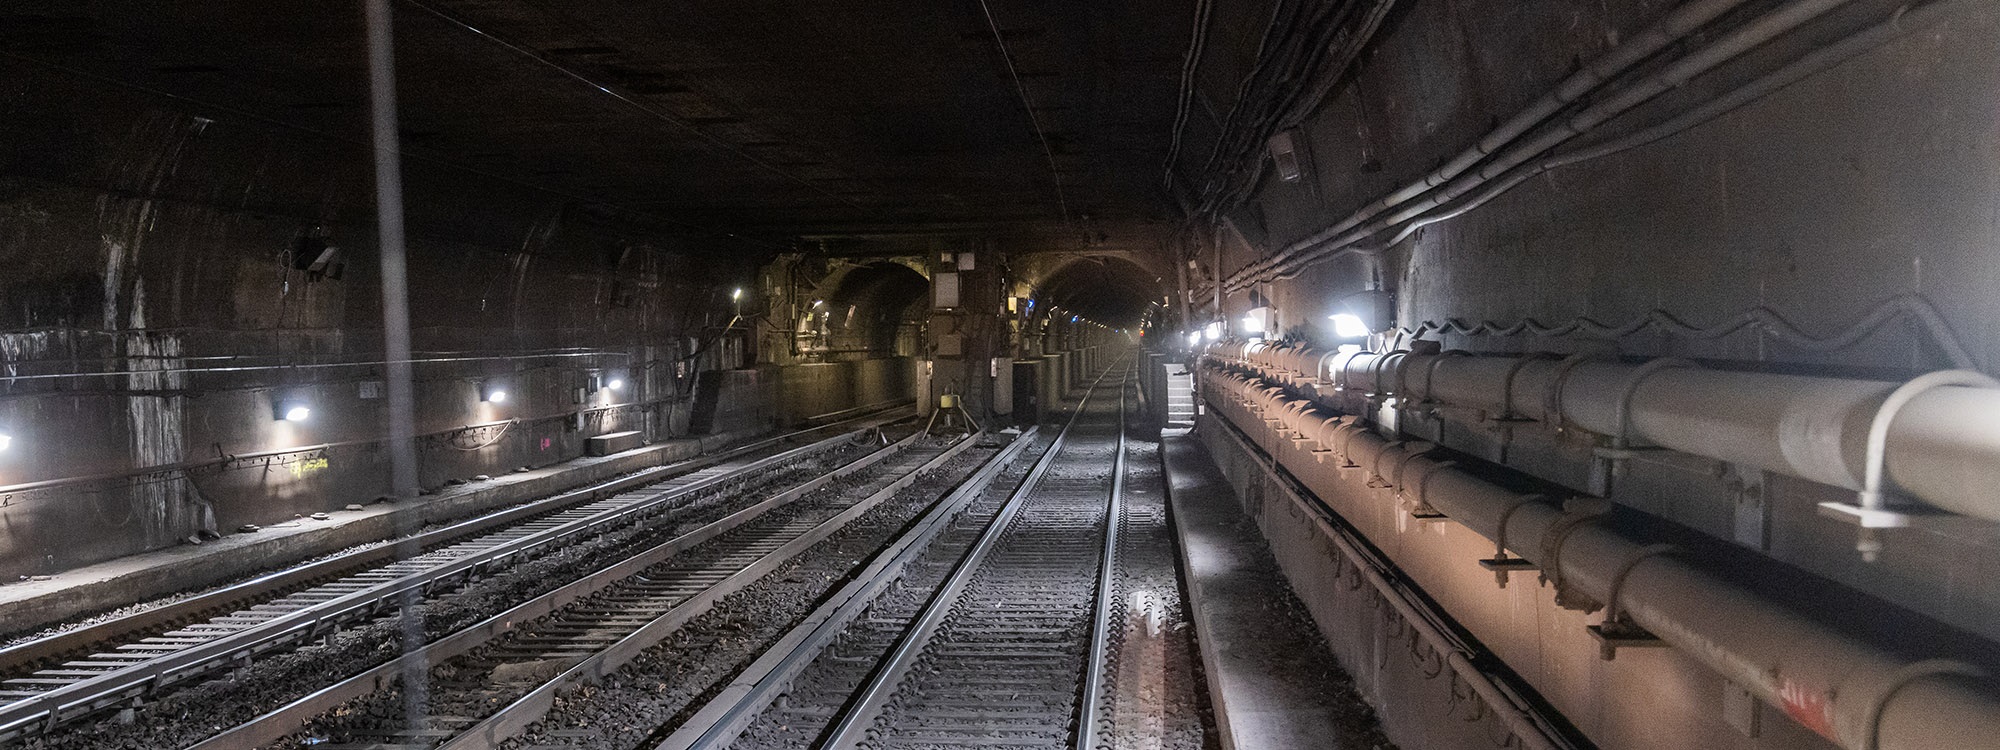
point(297, 413)
point(1213, 331)
point(1348, 325)
point(494, 396)
point(6, 441)
point(736, 295)
point(616, 384)
point(1194, 337)
point(1253, 324)
point(817, 304)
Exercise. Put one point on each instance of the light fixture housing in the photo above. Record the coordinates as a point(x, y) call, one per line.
point(1348, 326)
point(492, 393)
point(616, 384)
point(1363, 313)
point(291, 409)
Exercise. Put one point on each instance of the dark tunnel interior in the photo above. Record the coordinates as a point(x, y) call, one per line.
point(1440, 374)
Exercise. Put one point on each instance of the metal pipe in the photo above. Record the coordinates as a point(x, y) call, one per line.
point(1941, 447)
point(1737, 42)
point(1676, 25)
point(1857, 694)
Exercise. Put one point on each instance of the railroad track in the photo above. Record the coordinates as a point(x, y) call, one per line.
point(999, 655)
point(490, 681)
point(113, 663)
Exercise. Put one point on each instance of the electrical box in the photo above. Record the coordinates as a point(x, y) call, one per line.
point(945, 285)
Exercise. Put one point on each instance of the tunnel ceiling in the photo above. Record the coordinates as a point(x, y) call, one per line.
point(1111, 291)
point(760, 117)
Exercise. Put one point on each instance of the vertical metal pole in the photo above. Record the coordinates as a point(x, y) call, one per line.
point(395, 313)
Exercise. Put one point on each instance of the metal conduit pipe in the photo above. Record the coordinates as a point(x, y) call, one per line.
point(1859, 695)
point(1734, 43)
point(1942, 447)
point(1676, 25)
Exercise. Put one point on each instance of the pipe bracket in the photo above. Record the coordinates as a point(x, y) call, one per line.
point(1500, 563)
point(1576, 512)
point(1552, 398)
point(1871, 510)
point(1423, 511)
point(1616, 631)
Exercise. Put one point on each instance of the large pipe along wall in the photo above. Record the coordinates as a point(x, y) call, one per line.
point(1857, 693)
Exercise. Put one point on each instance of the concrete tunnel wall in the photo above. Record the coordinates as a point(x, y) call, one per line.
point(153, 237)
point(1824, 202)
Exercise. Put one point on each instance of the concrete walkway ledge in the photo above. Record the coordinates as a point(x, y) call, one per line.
point(1268, 670)
point(47, 600)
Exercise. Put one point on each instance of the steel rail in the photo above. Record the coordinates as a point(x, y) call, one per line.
point(54, 707)
point(720, 721)
point(857, 721)
point(276, 724)
point(1093, 678)
point(531, 708)
point(19, 656)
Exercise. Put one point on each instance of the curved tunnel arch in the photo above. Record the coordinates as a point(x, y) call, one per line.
point(868, 306)
point(1108, 289)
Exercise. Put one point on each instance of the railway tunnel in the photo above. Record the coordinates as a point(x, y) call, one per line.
point(1358, 374)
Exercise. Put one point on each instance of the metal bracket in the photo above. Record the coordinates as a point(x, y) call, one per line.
point(1507, 387)
point(1871, 510)
point(1576, 512)
point(1616, 631)
point(1552, 398)
point(1500, 563)
point(1422, 510)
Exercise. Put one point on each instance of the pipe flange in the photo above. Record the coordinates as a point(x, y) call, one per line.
point(1340, 372)
point(1375, 372)
point(1507, 385)
point(1431, 372)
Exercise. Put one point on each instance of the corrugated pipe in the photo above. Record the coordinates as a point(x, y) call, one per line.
point(1859, 695)
point(1504, 144)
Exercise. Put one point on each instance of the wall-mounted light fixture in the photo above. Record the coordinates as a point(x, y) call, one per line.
point(737, 295)
point(1348, 325)
point(1358, 315)
point(1213, 331)
point(1257, 321)
point(290, 409)
point(492, 393)
point(616, 384)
